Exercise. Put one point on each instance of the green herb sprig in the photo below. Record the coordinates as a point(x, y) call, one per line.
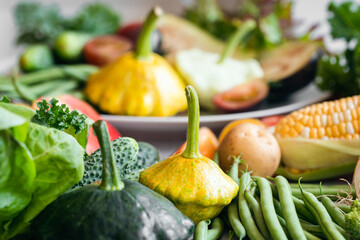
point(58, 116)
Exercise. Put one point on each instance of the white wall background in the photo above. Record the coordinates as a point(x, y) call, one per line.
point(308, 11)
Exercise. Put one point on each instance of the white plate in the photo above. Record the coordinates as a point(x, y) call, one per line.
point(160, 127)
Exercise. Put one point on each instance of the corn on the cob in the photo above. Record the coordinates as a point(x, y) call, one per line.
point(338, 119)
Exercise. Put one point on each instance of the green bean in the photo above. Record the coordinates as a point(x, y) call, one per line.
point(302, 210)
point(217, 228)
point(321, 215)
point(267, 206)
point(65, 87)
point(232, 211)
point(23, 91)
point(310, 236)
point(313, 229)
point(283, 225)
point(234, 170)
point(334, 190)
point(342, 231)
point(256, 209)
point(345, 208)
point(244, 211)
point(201, 230)
point(334, 212)
point(288, 208)
point(277, 207)
point(299, 205)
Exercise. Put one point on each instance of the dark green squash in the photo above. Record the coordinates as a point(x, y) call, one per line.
point(114, 210)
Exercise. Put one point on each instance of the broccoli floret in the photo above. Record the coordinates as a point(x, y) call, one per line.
point(352, 220)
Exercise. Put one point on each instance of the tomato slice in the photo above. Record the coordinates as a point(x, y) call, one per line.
point(242, 97)
point(271, 120)
point(103, 50)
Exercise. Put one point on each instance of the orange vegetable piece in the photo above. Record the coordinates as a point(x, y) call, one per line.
point(208, 143)
point(234, 123)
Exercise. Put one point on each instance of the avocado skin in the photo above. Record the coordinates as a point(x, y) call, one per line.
point(135, 212)
point(282, 89)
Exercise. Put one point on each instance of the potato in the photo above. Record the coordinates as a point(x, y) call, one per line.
point(258, 147)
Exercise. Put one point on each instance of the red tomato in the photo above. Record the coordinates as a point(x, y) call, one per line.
point(106, 49)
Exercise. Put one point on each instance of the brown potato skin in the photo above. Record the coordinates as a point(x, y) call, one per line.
point(259, 149)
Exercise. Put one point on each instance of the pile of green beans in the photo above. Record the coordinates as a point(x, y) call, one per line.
point(267, 209)
point(54, 81)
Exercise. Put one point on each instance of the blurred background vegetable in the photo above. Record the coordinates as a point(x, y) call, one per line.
point(40, 23)
point(274, 20)
point(341, 73)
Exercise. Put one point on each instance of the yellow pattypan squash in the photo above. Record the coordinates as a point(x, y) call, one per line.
point(140, 83)
point(194, 183)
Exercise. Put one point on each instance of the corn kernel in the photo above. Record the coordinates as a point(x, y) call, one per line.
point(293, 133)
point(313, 133)
point(321, 132)
point(317, 121)
point(335, 131)
point(355, 124)
point(354, 114)
point(342, 128)
point(298, 127)
point(310, 123)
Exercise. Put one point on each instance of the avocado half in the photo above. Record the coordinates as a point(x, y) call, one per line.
point(290, 67)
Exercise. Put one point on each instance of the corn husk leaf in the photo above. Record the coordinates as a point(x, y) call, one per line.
point(304, 154)
point(356, 179)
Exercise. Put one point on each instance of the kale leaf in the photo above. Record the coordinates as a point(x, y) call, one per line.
point(96, 19)
point(41, 23)
point(37, 23)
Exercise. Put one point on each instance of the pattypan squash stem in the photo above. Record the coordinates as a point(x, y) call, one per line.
point(143, 47)
point(192, 141)
point(235, 38)
point(110, 177)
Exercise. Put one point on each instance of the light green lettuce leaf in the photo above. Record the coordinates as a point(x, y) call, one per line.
point(17, 176)
point(58, 159)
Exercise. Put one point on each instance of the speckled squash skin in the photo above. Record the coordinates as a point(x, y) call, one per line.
point(197, 187)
